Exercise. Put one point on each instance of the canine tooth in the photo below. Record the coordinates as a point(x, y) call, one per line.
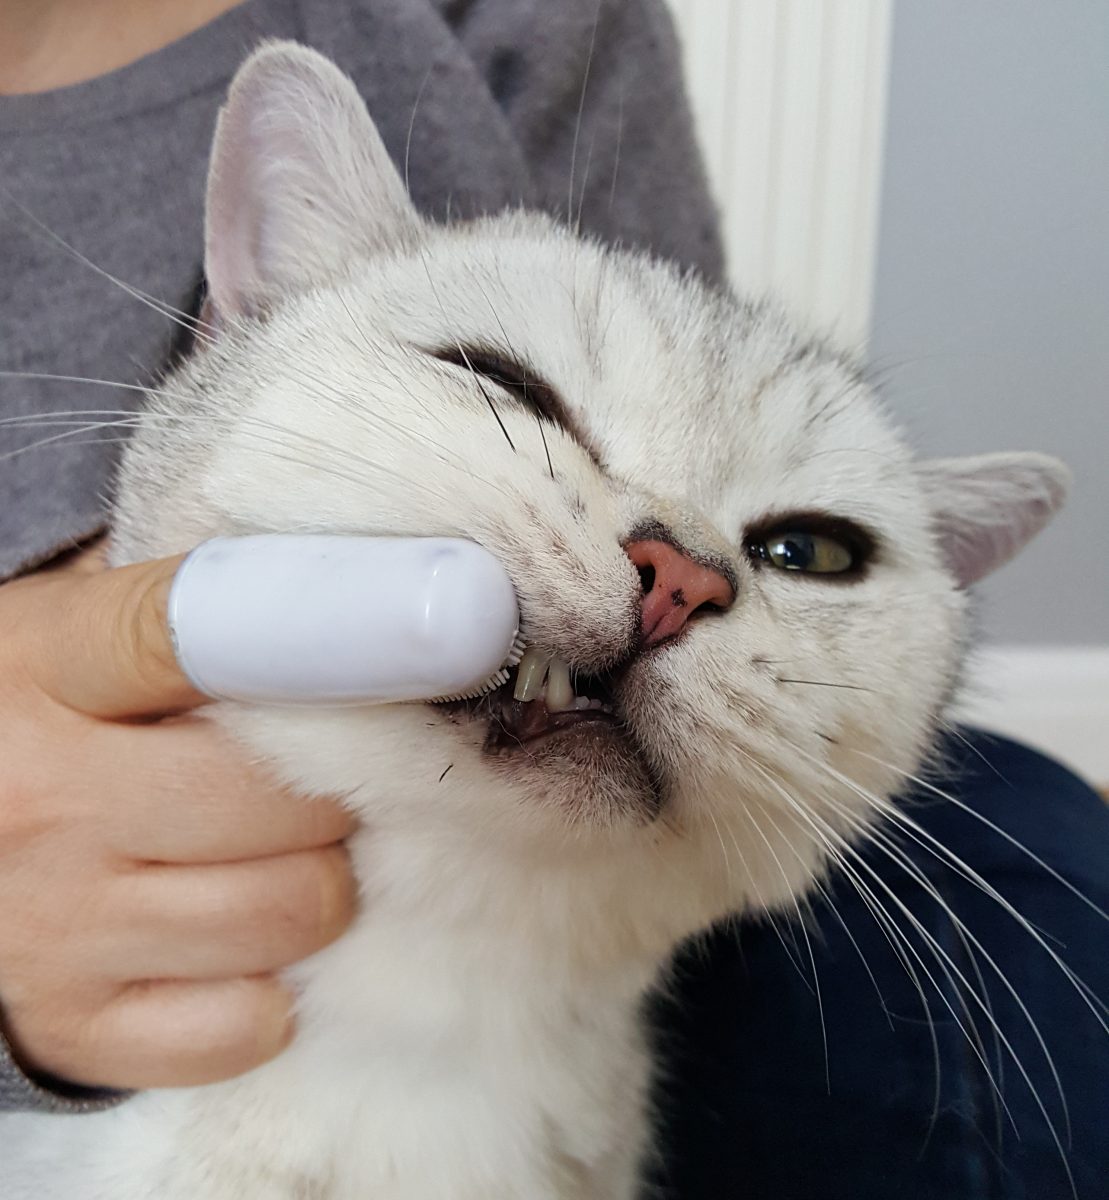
point(529, 674)
point(560, 691)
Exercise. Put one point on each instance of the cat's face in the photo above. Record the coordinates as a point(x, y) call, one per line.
point(373, 383)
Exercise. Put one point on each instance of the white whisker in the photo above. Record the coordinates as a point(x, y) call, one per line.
point(764, 908)
point(193, 324)
point(745, 809)
point(996, 829)
point(837, 846)
point(899, 858)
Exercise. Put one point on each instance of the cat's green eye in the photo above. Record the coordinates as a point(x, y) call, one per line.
point(809, 552)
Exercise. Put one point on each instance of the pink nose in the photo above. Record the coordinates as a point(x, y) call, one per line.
point(674, 588)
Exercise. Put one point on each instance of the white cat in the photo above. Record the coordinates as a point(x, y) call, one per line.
point(706, 515)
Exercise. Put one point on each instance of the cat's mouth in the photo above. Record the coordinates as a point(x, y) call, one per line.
point(574, 729)
point(541, 699)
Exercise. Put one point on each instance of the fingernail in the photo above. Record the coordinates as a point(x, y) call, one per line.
point(336, 900)
point(275, 1035)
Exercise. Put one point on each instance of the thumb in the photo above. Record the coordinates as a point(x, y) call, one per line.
point(100, 643)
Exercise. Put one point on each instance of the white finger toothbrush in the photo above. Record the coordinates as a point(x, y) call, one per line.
point(315, 619)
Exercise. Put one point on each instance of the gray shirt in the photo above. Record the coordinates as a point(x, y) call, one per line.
point(566, 105)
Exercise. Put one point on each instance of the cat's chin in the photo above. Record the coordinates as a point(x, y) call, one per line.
point(590, 771)
point(583, 767)
point(582, 762)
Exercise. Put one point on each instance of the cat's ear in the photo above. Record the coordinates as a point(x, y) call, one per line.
point(986, 508)
point(300, 182)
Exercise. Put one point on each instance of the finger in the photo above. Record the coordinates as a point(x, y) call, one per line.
point(178, 1034)
point(185, 793)
point(99, 643)
point(229, 920)
point(86, 559)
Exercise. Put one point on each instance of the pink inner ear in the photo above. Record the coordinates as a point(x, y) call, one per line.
point(300, 184)
point(986, 509)
point(974, 551)
point(231, 243)
point(260, 231)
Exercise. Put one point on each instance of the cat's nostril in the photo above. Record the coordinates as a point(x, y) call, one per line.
point(675, 588)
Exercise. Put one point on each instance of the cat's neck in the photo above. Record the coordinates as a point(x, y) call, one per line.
point(450, 928)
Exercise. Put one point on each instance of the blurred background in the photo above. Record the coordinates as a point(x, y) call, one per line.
point(929, 179)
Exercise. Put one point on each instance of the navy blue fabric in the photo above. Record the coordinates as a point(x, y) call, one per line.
point(753, 1109)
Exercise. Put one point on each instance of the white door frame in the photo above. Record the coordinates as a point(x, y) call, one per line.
point(790, 102)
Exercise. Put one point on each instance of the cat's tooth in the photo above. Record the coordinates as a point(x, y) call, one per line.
point(560, 691)
point(581, 702)
point(529, 675)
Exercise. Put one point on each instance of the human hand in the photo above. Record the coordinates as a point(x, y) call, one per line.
point(151, 880)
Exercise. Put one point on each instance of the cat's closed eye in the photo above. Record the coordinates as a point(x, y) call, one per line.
point(513, 376)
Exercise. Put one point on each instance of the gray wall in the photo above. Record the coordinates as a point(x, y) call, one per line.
point(991, 317)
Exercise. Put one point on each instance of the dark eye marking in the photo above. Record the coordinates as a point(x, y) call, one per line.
point(521, 382)
point(513, 376)
point(812, 544)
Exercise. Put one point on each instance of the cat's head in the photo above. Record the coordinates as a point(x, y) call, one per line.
point(713, 529)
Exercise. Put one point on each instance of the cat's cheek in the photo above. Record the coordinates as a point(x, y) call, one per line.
point(362, 756)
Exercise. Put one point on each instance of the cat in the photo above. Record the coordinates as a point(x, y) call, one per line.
point(718, 540)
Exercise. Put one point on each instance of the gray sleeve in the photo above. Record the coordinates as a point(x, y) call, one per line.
point(594, 94)
point(20, 1093)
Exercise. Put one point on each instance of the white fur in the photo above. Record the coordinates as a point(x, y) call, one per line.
point(475, 1035)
